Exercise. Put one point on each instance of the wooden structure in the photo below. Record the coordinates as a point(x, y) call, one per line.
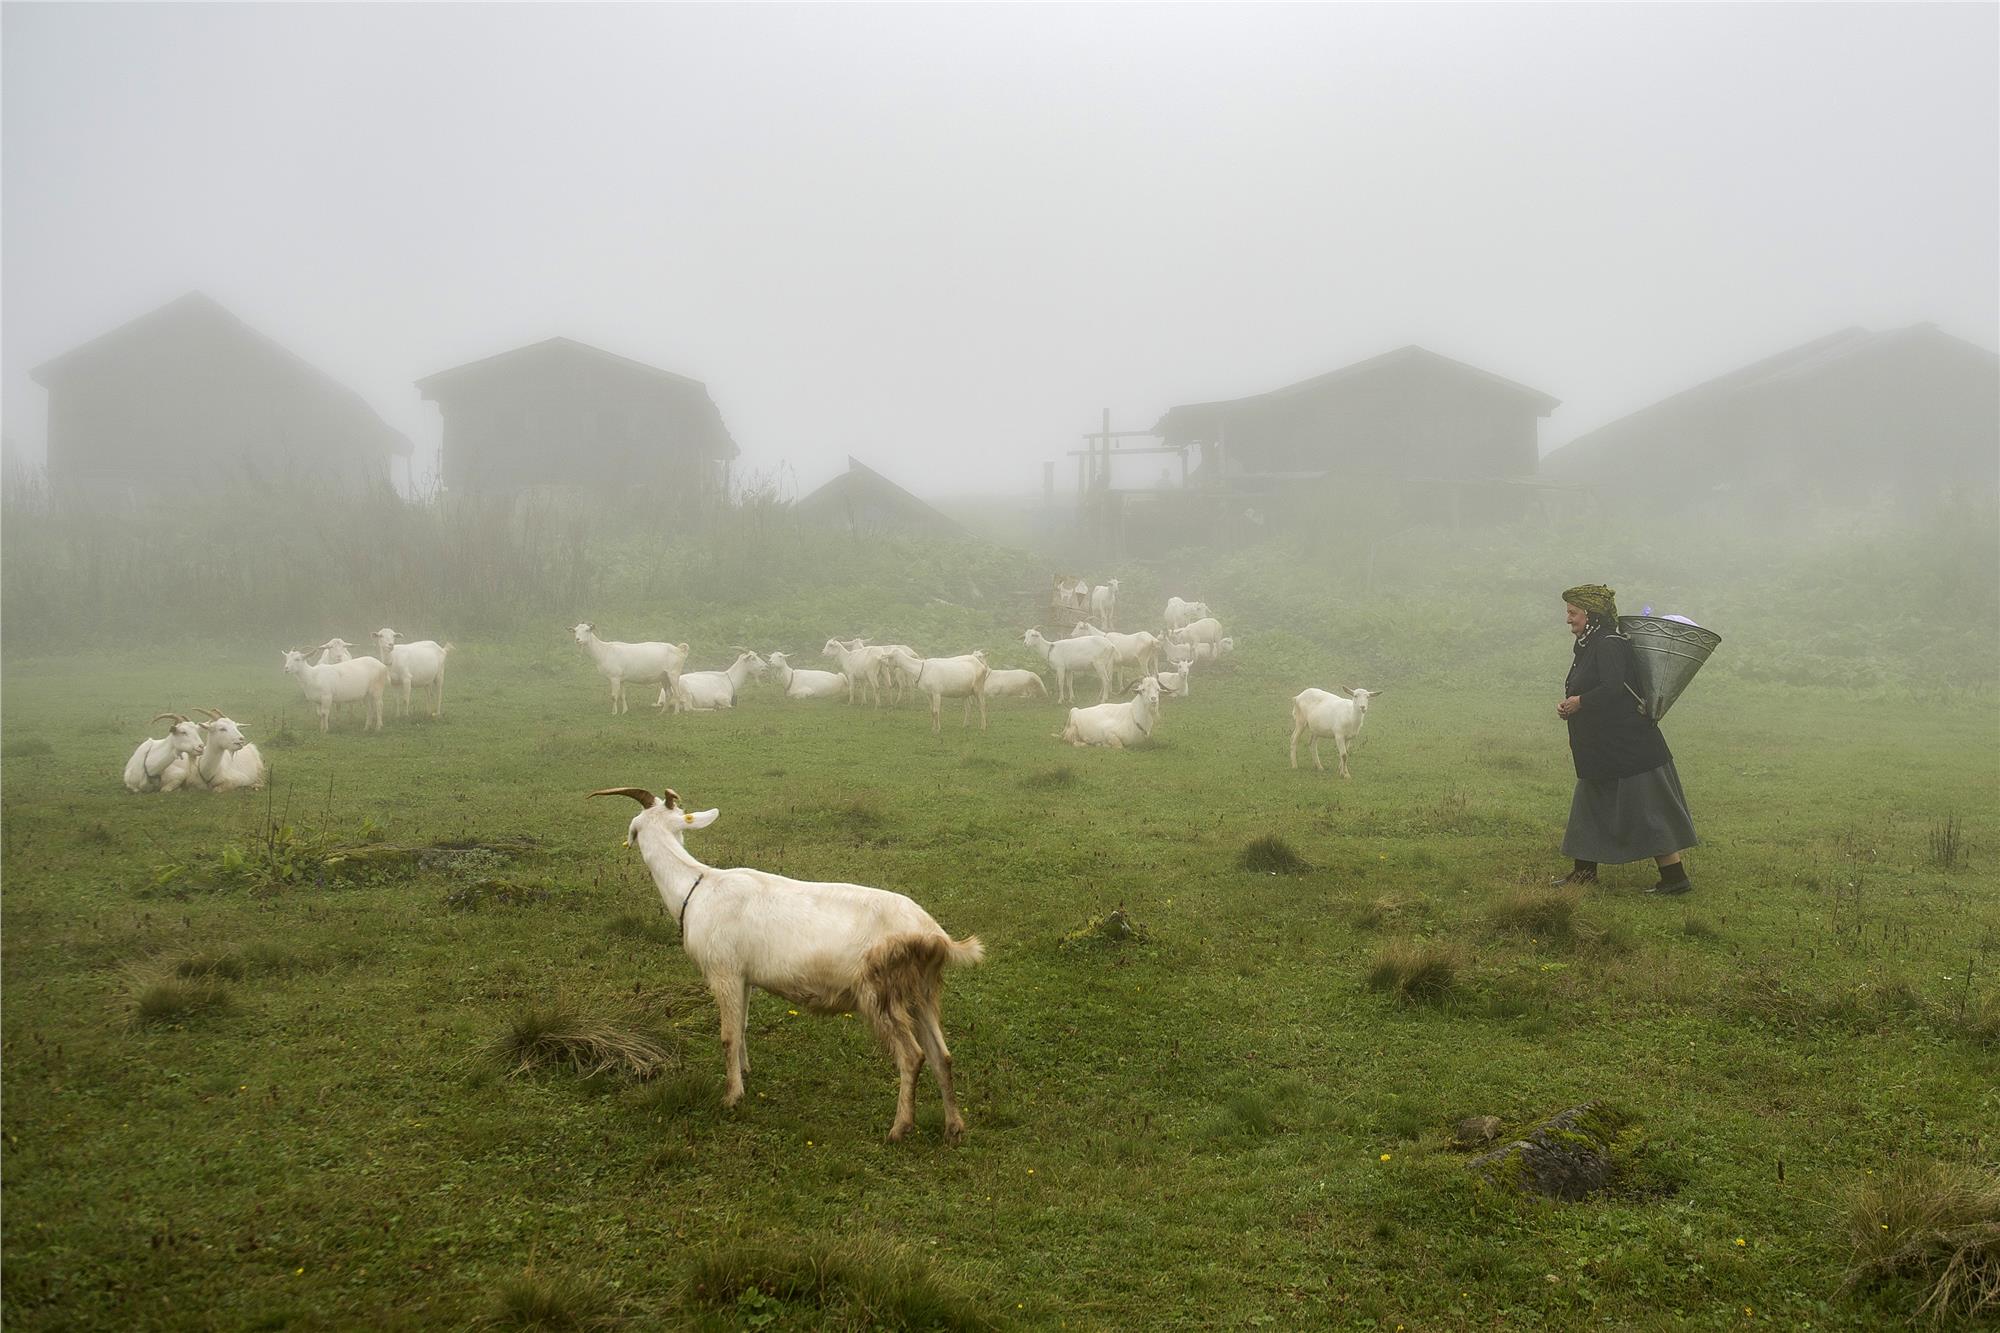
point(1903, 417)
point(562, 413)
point(189, 395)
point(863, 500)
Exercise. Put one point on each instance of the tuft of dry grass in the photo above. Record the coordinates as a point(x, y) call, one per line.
point(1555, 917)
point(158, 995)
point(537, 1301)
point(1935, 1224)
point(547, 1036)
point(1388, 909)
point(1271, 855)
point(1415, 971)
point(851, 1285)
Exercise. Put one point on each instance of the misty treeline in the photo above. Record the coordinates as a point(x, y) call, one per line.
point(1870, 601)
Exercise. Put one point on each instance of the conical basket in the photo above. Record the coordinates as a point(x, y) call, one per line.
point(1667, 654)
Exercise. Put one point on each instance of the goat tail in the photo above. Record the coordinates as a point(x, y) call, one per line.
point(965, 952)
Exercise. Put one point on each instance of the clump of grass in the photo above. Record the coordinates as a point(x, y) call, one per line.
point(1554, 917)
point(1062, 775)
point(1388, 909)
point(1696, 928)
point(1246, 1114)
point(536, 1301)
point(1271, 855)
point(679, 1095)
point(1421, 971)
point(225, 964)
point(555, 1035)
point(1935, 1224)
point(160, 996)
point(864, 1286)
point(1947, 842)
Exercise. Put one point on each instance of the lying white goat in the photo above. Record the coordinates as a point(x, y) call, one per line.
point(830, 948)
point(1173, 684)
point(156, 756)
point(861, 665)
point(1324, 714)
point(1089, 653)
point(1179, 612)
point(1137, 653)
point(1205, 630)
point(1214, 652)
point(706, 691)
point(962, 677)
point(228, 761)
point(1116, 725)
point(1006, 683)
point(1104, 603)
point(803, 684)
point(340, 683)
point(638, 662)
point(419, 663)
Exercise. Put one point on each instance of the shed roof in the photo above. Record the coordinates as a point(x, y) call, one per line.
point(859, 477)
point(510, 362)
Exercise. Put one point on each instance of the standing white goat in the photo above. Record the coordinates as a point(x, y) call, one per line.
point(636, 662)
point(830, 948)
point(1139, 653)
point(1089, 653)
point(1325, 714)
point(706, 691)
point(419, 663)
point(1104, 603)
point(803, 684)
point(340, 683)
point(962, 677)
point(1116, 725)
point(861, 665)
point(150, 763)
point(1180, 612)
point(228, 761)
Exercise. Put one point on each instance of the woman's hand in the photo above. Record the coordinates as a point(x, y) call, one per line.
point(1569, 707)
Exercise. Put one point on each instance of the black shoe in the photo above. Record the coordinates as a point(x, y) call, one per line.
point(1668, 887)
point(1585, 872)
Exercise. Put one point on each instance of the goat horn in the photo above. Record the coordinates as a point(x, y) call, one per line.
point(175, 716)
point(639, 794)
point(213, 713)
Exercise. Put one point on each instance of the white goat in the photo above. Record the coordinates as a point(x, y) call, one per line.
point(705, 691)
point(1104, 603)
point(341, 683)
point(1177, 654)
point(861, 665)
point(638, 662)
point(962, 677)
point(1116, 725)
point(1179, 612)
point(1324, 714)
point(830, 948)
point(1205, 630)
point(156, 756)
point(1173, 684)
point(891, 673)
point(1012, 684)
point(1139, 653)
point(410, 664)
point(228, 761)
point(1214, 652)
point(1089, 653)
point(335, 650)
point(802, 684)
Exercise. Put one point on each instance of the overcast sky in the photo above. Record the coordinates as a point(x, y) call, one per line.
point(944, 238)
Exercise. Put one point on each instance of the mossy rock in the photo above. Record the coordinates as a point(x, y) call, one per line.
point(1570, 1156)
point(1114, 928)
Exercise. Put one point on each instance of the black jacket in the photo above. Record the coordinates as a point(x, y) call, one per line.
point(1610, 735)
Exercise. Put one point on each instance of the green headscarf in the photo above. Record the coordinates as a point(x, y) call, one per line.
point(1601, 602)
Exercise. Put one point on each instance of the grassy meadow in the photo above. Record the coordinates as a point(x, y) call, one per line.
point(275, 1060)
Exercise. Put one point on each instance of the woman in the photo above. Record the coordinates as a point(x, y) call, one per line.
point(1628, 801)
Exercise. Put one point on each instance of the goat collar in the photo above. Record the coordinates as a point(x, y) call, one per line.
point(684, 905)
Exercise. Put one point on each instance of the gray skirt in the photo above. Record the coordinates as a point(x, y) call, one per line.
point(1612, 820)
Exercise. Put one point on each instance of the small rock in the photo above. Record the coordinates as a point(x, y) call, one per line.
point(1476, 1130)
point(1569, 1156)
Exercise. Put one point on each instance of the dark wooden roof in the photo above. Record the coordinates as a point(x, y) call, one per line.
point(862, 485)
point(549, 349)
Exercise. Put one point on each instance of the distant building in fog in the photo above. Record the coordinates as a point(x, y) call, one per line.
point(561, 413)
point(863, 500)
point(1406, 413)
point(1906, 416)
point(189, 395)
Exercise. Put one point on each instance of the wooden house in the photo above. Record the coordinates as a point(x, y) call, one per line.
point(863, 500)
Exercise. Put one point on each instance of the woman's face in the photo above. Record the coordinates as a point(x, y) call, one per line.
point(1578, 618)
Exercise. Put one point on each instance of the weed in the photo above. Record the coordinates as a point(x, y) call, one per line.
point(1415, 971)
point(1947, 843)
point(1934, 1224)
point(1271, 855)
point(541, 1036)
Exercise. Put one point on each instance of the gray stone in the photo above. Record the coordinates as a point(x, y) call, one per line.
point(1476, 1130)
point(1570, 1156)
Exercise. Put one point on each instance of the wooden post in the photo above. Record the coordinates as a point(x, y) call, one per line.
point(1105, 480)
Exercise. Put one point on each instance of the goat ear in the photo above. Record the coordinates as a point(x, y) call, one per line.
point(639, 794)
point(702, 818)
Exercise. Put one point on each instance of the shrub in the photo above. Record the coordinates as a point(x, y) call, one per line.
point(1937, 1225)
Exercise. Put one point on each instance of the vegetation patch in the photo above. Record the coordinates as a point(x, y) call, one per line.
point(1271, 855)
point(1946, 843)
point(848, 1287)
point(1415, 971)
point(1934, 1227)
point(650, 928)
point(157, 995)
point(1554, 917)
point(555, 1036)
point(498, 893)
point(1389, 909)
point(1572, 1155)
point(536, 1300)
point(27, 747)
point(1055, 777)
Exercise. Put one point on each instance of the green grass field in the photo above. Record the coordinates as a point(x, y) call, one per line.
point(245, 1091)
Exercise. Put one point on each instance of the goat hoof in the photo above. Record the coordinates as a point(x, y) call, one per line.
point(954, 1134)
point(897, 1133)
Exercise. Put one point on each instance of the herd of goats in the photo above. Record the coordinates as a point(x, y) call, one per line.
point(826, 947)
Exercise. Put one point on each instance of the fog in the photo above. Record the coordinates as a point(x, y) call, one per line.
point(945, 239)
